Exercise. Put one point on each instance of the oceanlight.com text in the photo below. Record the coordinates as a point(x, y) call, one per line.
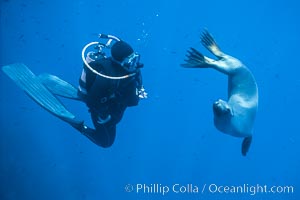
point(176, 188)
point(249, 189)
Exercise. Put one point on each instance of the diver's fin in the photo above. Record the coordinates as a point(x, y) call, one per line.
point(195, 59)
point(246, 145)
point(31, 84)
point(210, 44)
point(58, 86)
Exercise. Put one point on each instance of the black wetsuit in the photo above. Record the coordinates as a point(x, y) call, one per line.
point(108, 98)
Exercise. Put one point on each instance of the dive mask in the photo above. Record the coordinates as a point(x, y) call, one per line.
point(132, 62)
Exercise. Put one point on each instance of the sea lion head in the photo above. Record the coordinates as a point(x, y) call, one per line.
point(222, 109)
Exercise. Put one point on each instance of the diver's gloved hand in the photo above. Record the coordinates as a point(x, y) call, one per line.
point(142, 94)
point(103, 120)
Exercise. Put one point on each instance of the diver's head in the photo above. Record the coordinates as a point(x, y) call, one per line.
point(123, 54)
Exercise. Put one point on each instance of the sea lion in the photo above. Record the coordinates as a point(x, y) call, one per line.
point(236, 116)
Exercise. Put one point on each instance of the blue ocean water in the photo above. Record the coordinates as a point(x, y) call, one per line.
point(169, 139)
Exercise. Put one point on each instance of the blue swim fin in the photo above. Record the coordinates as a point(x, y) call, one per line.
point(33, 86)
point(58, 86)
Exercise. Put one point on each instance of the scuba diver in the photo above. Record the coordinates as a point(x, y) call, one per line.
point(107, 85)
point(107, 97)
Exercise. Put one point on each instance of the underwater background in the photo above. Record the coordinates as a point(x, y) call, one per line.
point(169, 138)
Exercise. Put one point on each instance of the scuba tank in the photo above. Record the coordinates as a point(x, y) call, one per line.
point(99, 54)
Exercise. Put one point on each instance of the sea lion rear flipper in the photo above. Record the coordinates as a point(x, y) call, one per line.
point(195, 59)
point(210, 44)
point(246, 145)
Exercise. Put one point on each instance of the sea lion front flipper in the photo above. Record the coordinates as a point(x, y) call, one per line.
point(196, 60)
point(210, 44)
point(246, 145)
